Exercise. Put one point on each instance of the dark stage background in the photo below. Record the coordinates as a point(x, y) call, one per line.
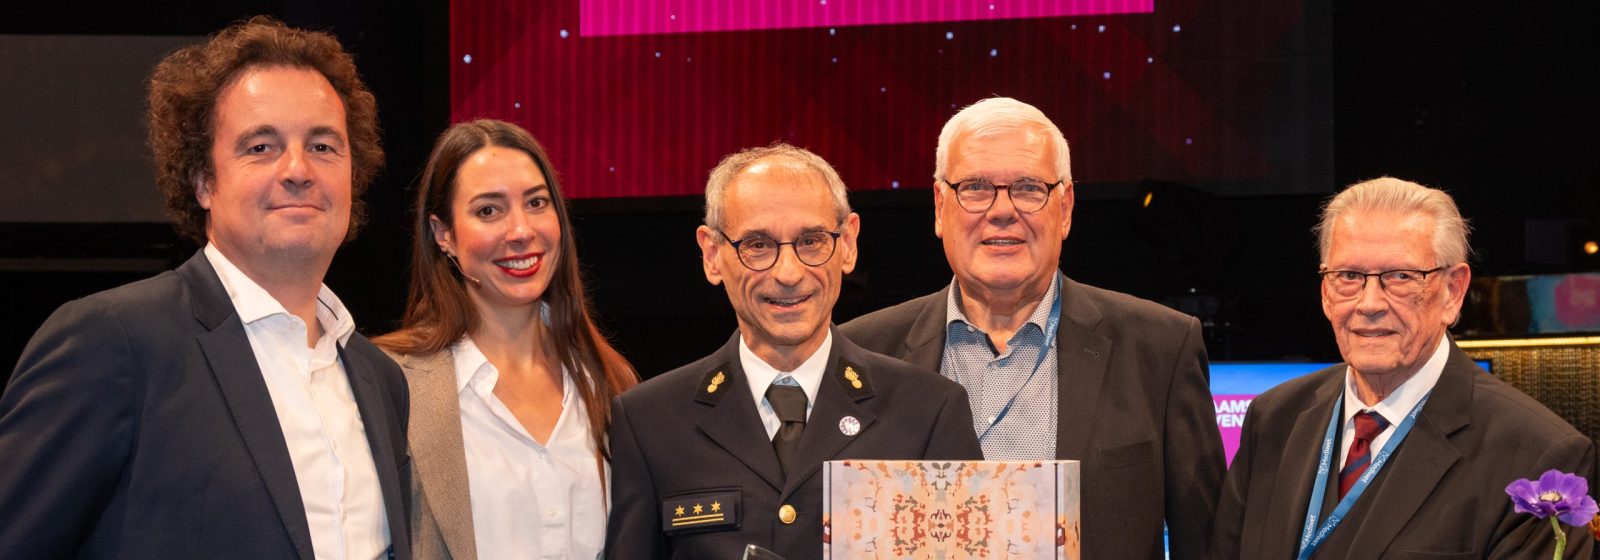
point(1493, 105)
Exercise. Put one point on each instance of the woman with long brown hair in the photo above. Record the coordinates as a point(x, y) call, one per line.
point(510, 379)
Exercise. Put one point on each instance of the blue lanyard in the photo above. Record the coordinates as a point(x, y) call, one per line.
point(1311, 536)
point(1044, 351)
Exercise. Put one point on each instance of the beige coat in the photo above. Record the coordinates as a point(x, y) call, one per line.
point(441, 502)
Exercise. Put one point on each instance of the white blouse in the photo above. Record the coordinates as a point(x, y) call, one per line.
point(528, 500)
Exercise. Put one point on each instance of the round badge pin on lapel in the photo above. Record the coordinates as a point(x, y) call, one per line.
point(849, 426)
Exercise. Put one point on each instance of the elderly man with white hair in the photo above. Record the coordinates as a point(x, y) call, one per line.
point(1406, 449)
point(1056, 369)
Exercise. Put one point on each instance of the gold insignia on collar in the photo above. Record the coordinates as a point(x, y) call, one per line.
point(855, 378)
point(715, 381)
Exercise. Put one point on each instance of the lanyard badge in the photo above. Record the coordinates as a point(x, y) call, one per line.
point(1312, 535)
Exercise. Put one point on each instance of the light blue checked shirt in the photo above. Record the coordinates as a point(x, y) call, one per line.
point(1028, 430)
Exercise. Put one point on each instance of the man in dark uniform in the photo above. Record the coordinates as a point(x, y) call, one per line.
point(728, 451)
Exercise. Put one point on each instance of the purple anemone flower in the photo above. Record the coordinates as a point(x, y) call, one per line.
point(1563, 495)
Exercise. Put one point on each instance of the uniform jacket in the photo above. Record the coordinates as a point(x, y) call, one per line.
point(677, 441)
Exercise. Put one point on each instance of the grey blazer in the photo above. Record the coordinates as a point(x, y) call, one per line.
point(1134, 406)
point(441, 501)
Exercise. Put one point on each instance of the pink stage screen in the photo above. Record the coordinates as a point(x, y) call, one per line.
point(641, 98)
point(644, 17)
point(1234, 385)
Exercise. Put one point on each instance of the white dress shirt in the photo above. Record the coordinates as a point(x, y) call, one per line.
point(528, 500)
point(761, 375)
point(1394, 407)
point(321, 425)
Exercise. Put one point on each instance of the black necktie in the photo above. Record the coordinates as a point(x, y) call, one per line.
point(789, 402)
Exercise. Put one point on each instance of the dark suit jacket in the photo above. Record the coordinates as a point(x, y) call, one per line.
point(138, 425)
point(672, 438)
point(1134, 406)
point(1442, 494)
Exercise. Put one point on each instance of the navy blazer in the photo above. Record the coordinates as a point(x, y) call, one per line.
point(138, 425)
point(674, 440)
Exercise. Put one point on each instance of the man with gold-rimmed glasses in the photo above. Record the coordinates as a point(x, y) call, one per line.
point(1056, 369)
point(1414, 443)
point(727, 451)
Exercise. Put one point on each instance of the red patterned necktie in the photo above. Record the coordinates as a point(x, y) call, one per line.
point(1368, 426)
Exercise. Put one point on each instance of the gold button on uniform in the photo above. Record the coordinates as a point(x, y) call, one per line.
point(786, 514)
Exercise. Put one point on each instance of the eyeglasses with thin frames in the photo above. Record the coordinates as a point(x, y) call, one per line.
point(978, 195)
point(760, 252)
point(1398, 283)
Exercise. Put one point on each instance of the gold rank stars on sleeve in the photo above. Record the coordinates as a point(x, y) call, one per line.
point(699, 509)
point(692, 512)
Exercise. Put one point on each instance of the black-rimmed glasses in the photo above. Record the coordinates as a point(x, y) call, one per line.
point(1398, 283)
point(978, 195)
point(759, 252)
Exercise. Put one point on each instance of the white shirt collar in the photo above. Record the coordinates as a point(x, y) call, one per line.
point(1407, 395)
point(253, 303)
point(471, 364)
point(474, 372)
point(808, 375)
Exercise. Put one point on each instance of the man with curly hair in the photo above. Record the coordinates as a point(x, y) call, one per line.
point(226, 408)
